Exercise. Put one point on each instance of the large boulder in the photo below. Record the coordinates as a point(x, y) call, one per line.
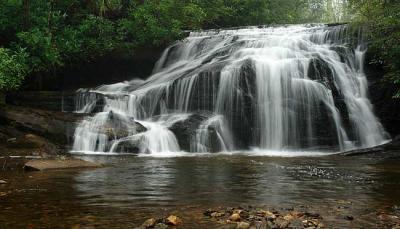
point(118, 126)
point(201, 132)
point(185, 129)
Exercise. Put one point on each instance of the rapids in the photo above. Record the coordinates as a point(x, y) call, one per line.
point(289, 88)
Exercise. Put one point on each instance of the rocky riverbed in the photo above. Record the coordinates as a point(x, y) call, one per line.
point(251, 217)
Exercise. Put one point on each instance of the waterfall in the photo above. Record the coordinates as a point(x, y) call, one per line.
point(299, 87)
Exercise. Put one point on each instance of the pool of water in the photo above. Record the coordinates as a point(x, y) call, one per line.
point(130, 189)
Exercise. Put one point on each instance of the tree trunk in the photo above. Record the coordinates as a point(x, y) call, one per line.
point(27, 9)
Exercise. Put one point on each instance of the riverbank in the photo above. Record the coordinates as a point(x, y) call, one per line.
point(251, 217)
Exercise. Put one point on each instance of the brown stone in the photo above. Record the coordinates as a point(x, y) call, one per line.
point(173, 220)
point(50, 164)
point(235, 217)
point(149, 223)
point(288, 217)
point(243, 225)
point(217, 214)
point(282, 223)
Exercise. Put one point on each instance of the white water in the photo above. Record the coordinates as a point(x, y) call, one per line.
point(203, 141)
point(279, 89)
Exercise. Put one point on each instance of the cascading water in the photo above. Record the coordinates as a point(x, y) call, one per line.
point(298, 87)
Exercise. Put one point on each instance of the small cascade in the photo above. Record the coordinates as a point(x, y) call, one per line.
point(291, 88)
point(159, 139)
point(212, 135)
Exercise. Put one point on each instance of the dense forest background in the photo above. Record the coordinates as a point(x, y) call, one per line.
point(43, 36)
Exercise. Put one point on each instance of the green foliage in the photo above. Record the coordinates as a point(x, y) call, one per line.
point(39, 44)
point(153, 22)
point(62, 33)
point(13, 68)
point(382, 18)
point(95, 36)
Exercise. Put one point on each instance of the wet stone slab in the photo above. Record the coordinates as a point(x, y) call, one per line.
point(52, 164)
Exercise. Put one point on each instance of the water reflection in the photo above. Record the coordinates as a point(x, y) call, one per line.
point(229, 180)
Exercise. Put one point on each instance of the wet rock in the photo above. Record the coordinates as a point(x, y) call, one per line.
point(185, 130)
point(244, 214)
point(160, 226)
point(297, 214)
point(392, 145)
point(235, 217)
point(315, 222)
point(76, 226)
point(262, 213)
point(208, 212)
point(339, 208)
point(112, 133)
point(50, 164)
point(118, 126)
point(296, 224)
point(229, 226)
point(11, 140)
point(288, 217)
point(149, 223)
point(243, 225)
point(271, 225)
point(282, 223)
point(132, 145)
point(217, 214)
point(259, 225)
point(313, 215)
point(237, 211)
point(173, 220)
point(349, 217)
point(3, 182)
point(264, 219)
point(270, 218)
point(311, 223)
point(58, 127)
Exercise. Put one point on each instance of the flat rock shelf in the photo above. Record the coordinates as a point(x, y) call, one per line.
point(51, 164)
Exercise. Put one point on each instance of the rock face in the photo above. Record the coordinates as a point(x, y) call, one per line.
point(393, 145)
point(45, 100)
point(56, 126)
point(381, 95)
